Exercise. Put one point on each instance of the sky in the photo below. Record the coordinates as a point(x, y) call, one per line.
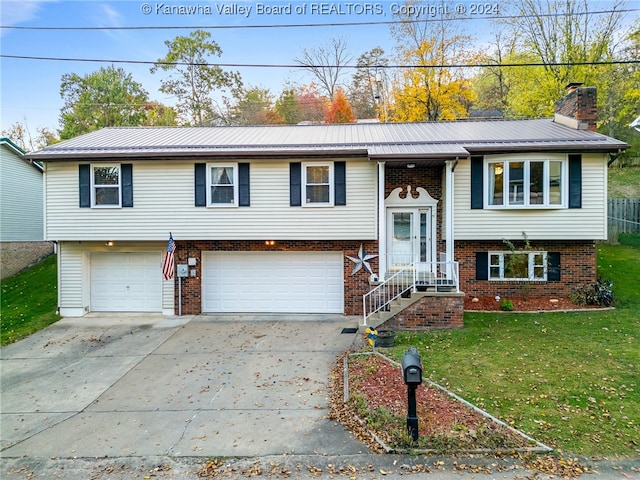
point(30, 89)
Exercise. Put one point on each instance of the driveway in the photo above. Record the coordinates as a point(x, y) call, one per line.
point(144, 385)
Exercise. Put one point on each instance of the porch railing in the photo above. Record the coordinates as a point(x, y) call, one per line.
point(425, 276)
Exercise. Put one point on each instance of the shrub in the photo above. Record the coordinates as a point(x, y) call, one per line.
point(598, 293)
point(506, 305)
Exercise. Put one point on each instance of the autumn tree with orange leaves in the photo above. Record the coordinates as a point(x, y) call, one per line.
point(340, 110)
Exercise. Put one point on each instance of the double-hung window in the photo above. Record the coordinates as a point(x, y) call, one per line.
point(105, 186)
point(223, 185)
point(317, 181)
point(526, 183)
point(518, 266)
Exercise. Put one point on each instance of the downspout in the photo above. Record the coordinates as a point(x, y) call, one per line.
point(450, 166)
point(382, 224)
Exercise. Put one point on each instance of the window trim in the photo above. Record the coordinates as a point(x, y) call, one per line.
point(547, 160)
point(331, 184)
point(236, 183)
point(94, 186)
point(530, 266)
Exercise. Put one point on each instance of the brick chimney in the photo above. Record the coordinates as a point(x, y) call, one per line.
point(578, 108)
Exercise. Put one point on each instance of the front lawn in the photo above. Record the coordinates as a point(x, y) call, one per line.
point(570, 380)
point(28, 301)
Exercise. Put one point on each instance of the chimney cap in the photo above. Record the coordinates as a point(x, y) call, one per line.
point(573, 85)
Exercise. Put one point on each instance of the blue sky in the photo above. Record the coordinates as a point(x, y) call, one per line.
point(30, 88)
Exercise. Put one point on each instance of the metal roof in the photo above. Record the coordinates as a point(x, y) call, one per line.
point(378, 141)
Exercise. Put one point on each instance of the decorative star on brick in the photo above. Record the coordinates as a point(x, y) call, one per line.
point(361, 260)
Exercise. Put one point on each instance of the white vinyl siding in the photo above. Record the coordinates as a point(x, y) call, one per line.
point(586, 223)
point(74, 273)
point(20, 199)
point(164, 202)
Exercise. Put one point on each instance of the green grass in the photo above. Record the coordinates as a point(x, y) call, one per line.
point(570, 380)
point(624, 182)
point(28, 302)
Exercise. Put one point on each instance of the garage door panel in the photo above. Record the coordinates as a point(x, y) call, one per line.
point(273, 282)
point(126, 282)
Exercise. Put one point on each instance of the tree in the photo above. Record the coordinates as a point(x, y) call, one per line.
point(369, 90)
point(432, 89)
point(340, 110)
point(253, 106)
point(106, 98)
point(157, 114)
point(326, 64)
point(193, 78)
point(288, 108)
point(564, 35)
point(20, 134)
point(313, 106)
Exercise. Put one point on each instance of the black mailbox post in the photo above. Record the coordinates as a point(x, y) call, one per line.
point(412, 374)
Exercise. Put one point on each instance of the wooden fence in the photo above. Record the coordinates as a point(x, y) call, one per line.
point(623, 216)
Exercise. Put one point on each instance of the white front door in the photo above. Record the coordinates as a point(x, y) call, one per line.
point(409, 237)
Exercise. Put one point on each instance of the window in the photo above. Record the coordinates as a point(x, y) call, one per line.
point(317, 179)
point(518, 266)
point(105, 186)
point(526, 183)
point(223, 186)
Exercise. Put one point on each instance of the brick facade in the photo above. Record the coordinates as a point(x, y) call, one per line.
point(16, 256)
point(355, 286)
point(430, 312)
point(580, 104)
point(577, 267)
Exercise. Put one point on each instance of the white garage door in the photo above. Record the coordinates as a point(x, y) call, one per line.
point(126, 282)
point(273, 282)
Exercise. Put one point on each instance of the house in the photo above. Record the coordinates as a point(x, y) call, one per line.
point(277, 218)
point(21, 210)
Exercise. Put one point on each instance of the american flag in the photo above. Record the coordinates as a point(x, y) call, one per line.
point(168, 267)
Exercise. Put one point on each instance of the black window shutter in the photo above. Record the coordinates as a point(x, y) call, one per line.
point(244, 185)
point(553, 266)
point(84, 183)
point(201, 184)
point(340, 183)
point(482, 266)
point(126, 170)
point(295, 184)
point(575, 181)
point(477, 195)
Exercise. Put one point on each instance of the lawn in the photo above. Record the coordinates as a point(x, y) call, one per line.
point(624, 182)
point(570, 380)
point(28, 301)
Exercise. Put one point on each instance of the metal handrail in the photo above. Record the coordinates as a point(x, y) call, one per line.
point(410, 277)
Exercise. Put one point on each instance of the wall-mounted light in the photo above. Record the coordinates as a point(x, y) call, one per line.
point(109, 243)
point(411, 165)
point(271, 243)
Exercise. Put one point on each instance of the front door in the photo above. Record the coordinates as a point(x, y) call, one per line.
point(409, 237)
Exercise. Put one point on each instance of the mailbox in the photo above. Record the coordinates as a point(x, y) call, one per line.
point(412, 367)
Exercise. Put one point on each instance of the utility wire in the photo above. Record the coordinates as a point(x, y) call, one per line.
point(312, 25)
point(289, 65)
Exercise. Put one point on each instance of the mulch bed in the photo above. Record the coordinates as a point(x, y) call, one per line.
point(531, 304)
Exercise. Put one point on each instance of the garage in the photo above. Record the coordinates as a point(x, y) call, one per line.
point(126, 282)
point(273, 282)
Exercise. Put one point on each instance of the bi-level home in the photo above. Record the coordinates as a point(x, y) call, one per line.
point(276, 219)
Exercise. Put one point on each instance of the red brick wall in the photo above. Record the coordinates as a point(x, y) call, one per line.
point(436, 311)
point(580, 104)
point(577, 267)
point(429, 178)
point(354, 286)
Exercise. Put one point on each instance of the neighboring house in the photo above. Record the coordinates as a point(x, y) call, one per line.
point(21, 210)
point(266, 217)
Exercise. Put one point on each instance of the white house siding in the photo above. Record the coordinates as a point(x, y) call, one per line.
point(586, 223)
point(74, 273)
point(163, 196)
point(20, 198)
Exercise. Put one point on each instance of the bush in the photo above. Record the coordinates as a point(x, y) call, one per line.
point(506, 305)
point(630, 239)
point(599, 293)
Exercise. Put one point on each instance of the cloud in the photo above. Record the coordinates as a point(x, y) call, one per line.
point(14, 13)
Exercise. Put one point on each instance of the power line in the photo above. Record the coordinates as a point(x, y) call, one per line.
point(296, 65)
point(312, 25)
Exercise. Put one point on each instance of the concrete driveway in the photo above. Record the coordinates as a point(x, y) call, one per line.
point(144, 385)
